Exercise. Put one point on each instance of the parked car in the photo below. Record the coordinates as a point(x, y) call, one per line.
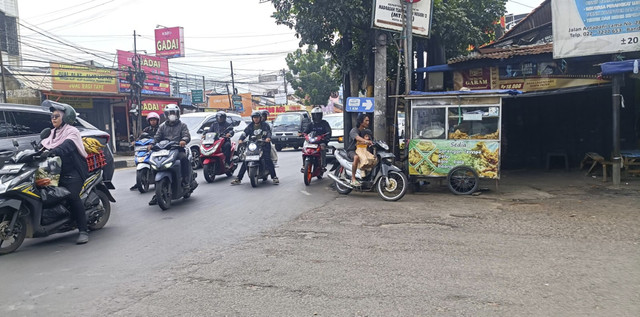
point(196, 122)
point(336, 121)
point(286, 127)
point(25, 122)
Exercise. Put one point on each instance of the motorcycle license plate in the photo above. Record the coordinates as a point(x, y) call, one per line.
point(312, 146)
point(253, 157)
point(160, 153)
point(141, 148)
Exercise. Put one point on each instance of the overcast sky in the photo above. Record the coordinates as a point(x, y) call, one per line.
point(216, 32)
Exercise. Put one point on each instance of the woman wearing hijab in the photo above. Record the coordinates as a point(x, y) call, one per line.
point(65, 141)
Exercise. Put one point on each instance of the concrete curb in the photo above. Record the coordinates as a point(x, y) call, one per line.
point(123, 163)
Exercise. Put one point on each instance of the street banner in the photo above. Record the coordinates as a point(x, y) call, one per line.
point(156, 69)
point(170, 42)
point(83, 78)
point(595, 27)
point(222, 102)
point(154, 105)
point(387, 14)
point(438, 157)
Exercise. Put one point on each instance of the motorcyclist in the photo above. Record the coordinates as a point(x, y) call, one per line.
point(65, 141)
point(258, 125)
point(355, 135)
point(153, 119)
point(264, 115)
point(177, 131)
point(225, 129)
point(319, 126)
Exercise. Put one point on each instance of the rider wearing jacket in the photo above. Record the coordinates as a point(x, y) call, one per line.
point(150, 131)
point(265, 133)
point(175, 130)
point(319, 126)
point(225, 129)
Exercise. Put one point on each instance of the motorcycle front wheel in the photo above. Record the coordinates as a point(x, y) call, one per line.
point(394, 188)
point(308, 172)
point(209, 171)
point(10, 243)
point(106, 212)
point(142, 180)
point(163, 193)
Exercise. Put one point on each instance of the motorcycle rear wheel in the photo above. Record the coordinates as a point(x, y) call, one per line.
point(163, 194)
point(339, 188)
point(17, 237)
point(142, 180)
point(209, 171)
point(308, 172)
point(106, 205)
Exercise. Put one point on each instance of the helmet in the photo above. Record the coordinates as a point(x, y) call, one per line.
point(221, 115)
point(69, 116)
point(256, 113)
point(265, 114)
point(170, 109)
point(316, 114)
point(153, 115)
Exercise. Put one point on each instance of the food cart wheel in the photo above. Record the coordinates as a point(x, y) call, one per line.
point(462, 180)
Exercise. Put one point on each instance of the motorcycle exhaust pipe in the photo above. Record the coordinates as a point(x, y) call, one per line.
point(339, 181)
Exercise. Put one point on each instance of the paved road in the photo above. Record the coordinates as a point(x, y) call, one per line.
point(53, 275)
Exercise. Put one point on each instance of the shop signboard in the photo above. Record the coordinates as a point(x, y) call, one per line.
point(155, 68)
point(437, 157)
point(196, 96)
point(154, 105)
point(78, 102)
point(388, 14)
point(170, 42)
point(83, 78)
point(597, 27)
point(222, 102)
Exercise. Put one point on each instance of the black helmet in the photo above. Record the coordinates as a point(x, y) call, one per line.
point(221, 115)
point(265, 114)
point(316, 114)
point(69, 116)
point(256, 113)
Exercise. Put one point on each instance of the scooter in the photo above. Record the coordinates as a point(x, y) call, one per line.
point(168, 177)
point(27, 211)
point(312, 157)
point(144, 174)
point(254, 158)
point(389, 180)
point(212, 157)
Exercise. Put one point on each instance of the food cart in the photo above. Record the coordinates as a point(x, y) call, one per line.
point(455, 135)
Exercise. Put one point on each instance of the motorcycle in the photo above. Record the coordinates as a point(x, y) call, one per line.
point(254, 158)
point(168, 178)
point(27, 211)
point(312, 156)
point(389, 180)
point(212, 157)
point(144, 174)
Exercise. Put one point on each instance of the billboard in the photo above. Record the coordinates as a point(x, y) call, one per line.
point(154, 105)
point(222, 102)
point(170, 42)
point(438, 157)
point(387, 14)
point(83, 78)
point(156, 69)
point(596, 27)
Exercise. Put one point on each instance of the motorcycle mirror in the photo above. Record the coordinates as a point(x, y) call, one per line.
point(45, 133)
point(206, 129)
point(15, 143)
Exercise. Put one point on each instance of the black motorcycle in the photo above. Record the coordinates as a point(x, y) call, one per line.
point(168, 179)
point(27, 211)
point(255, 160)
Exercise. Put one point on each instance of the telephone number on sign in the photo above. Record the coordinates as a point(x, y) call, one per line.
point(630, 40)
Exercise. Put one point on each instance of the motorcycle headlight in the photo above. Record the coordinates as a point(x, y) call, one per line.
point(168, 164)
point(253, 147)
point(215, 147)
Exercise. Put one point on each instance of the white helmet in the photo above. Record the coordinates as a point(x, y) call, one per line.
point(172, 109)
point(316, 114)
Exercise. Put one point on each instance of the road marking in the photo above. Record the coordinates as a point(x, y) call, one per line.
point(305, 192)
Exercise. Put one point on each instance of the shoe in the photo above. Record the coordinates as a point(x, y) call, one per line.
point(153, 201)
point(236, 181)
point(275, 181)
point(134, 187)
point(83, 237)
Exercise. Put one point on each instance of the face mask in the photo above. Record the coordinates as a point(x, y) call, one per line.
point(173, 117)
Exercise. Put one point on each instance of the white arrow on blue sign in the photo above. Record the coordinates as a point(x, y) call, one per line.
point(359, 104)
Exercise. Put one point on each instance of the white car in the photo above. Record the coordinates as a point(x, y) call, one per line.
point(336, 121)
point(196, 122)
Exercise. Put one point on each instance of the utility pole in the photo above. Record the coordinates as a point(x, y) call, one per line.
point(4, 87)
point(284, 78)
point(233, 85)
point(229, 96)
point(408, 62)
point(136, 79)
point(204, 94)
point(380, 88)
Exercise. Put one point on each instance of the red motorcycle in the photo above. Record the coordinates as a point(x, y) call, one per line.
point(212, 157)
point(312, 156)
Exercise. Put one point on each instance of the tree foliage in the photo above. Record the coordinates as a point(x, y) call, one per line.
point(312, 75)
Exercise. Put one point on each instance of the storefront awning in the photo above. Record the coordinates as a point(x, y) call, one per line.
point(435, 69)
point(467, 92)
point(612, 68)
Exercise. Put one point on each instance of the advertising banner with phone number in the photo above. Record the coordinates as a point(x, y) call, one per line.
point(438, 157)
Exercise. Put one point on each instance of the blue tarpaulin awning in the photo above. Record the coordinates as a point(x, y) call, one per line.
point(612, 68)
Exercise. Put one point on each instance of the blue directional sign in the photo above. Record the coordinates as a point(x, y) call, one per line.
point(359, 104)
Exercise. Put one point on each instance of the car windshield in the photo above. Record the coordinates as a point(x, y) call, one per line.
point(193, 123)
point(286, 119)
point(336, 122)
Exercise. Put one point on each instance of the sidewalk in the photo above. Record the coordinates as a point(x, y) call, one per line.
point(123, 161)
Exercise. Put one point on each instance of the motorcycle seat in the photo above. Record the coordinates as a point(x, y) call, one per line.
point(344, 155)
